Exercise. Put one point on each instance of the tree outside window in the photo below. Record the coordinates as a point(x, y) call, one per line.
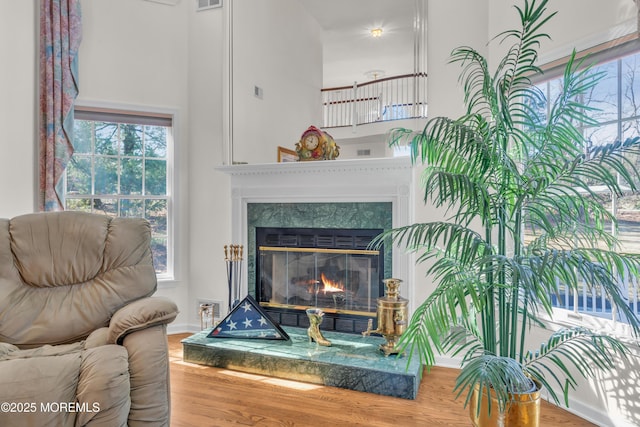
point(615, 110)
point(120, 169)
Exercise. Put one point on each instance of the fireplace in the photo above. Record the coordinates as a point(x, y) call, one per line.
point(363, 194)
point(331, 269)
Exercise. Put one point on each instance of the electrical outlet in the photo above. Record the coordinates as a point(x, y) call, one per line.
point(258, 92)
point(217, 306)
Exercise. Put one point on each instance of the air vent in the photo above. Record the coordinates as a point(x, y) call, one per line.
point(272, 239)
point(289, 240)
point(324, 241)
point(362, 242)
point(307, 241)
point(364, 153)
point(344, 242)
point(208, 4)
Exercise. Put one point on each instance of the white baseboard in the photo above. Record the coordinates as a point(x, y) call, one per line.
point(181, 328)
point(593, 415)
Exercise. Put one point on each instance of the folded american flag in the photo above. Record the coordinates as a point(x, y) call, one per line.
point(248, 320)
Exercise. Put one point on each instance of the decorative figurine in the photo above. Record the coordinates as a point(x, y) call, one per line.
point(392, 317)
point(315, 319)
point(316, 144)
point(206, 312)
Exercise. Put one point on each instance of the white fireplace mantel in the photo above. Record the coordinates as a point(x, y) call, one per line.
point(329, 181)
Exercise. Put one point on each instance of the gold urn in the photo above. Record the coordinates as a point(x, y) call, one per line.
point(392, 317)
point(523, 409)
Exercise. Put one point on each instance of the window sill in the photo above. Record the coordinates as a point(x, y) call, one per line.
point(566, 319)
point(167, 282)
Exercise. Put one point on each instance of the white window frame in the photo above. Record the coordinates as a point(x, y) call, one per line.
point(149, 112)
point(597, 55)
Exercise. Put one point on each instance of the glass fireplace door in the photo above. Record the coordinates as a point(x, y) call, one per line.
point(335, 280)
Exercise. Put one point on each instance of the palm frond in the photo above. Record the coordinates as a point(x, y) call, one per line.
point(432, 235)
point(459, 189)
point(595, 268)
point(475, 79)
point(579, 348)
point(431, 322)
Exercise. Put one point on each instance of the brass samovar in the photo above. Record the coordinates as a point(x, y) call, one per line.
point(392, 317)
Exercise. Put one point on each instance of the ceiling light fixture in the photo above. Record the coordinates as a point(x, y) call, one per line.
point(376, 32)
point(374, 74)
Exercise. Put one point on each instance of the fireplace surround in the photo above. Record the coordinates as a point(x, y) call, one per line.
point(320, 232)
point(329, 196)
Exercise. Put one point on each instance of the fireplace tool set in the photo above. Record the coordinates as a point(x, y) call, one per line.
point(233, 260)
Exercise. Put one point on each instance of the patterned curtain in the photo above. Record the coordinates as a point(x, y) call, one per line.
point(60, 34)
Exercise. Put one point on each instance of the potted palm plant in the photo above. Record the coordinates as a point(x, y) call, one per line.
point(524, 220)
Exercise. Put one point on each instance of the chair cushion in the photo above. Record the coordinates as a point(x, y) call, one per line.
point(36, 382)
point(58, 250)
point(104, 387)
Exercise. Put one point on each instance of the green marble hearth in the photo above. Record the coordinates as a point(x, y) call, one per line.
point(352, 362)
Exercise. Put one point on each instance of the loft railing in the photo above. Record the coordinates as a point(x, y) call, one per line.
point(391, 98)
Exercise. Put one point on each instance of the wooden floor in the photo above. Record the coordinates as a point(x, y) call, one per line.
point(205, 396)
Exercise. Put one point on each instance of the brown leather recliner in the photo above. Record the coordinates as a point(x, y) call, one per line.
point(82, 342)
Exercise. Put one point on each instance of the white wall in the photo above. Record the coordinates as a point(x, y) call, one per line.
point(18, 104)
point(209, 213)
point(277, 46)
point(134, 54)
point(444, 93)
point(171, 57)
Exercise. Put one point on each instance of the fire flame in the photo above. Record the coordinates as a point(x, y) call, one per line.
point(330, 285)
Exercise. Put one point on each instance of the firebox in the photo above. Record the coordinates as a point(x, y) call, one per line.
point(331, 269)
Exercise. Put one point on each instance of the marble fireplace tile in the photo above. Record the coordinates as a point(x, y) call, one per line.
point(376, 215)
point(353, 362)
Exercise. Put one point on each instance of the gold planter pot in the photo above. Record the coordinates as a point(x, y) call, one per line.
point(522, 411)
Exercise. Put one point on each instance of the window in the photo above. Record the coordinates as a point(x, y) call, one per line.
point(120, 167)
point(616, 103)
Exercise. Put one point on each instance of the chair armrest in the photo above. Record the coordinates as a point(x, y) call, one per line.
point(97, 338)
point(139, 315)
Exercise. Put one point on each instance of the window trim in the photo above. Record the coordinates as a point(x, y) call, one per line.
point(154, 116)
point(604, 52)
point(123, 116)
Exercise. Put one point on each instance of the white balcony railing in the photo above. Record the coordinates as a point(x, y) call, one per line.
point(392, 98)
point(593, 300)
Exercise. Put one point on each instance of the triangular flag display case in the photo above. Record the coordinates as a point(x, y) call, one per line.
point(248, 320)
